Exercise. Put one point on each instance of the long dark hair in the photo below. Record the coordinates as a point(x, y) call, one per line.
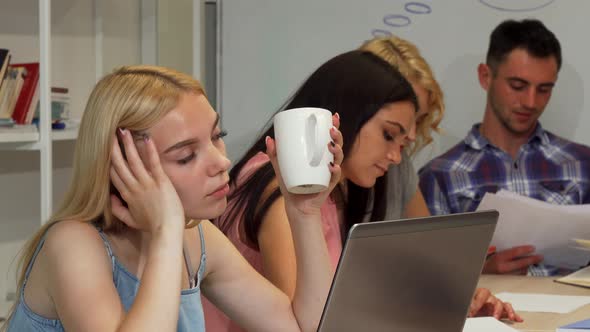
point(355, 84)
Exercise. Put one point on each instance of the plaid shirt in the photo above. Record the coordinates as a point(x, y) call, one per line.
point(547, 168)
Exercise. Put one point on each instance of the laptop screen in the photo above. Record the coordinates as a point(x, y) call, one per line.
point(414, 275)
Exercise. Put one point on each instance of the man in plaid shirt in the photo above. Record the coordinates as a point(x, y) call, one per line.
point(509, 149)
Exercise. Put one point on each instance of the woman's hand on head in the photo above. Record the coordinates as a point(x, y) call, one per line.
point(152, 201)
point(308, 204)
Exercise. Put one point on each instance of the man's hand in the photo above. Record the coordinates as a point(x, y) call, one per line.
point(514, 260)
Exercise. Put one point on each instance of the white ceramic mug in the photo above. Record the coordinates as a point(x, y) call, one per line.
point(302, 136)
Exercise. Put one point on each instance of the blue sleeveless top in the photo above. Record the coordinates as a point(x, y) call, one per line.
point(190, 317)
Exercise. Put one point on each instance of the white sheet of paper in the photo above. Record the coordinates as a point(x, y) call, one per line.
point(550, 228)
point(486, 324)
point(582, 274)
point(561, 304)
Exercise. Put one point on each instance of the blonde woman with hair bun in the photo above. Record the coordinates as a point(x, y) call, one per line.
point(407, 200)
point(405, 56)
point(149, 171)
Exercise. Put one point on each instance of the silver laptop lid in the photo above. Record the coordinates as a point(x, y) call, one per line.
point(415, 275)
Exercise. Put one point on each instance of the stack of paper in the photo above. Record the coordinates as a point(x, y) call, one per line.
point(486, 324)
point(578, 278)
point(561, 304)
point(585, 244)
point(554, 230)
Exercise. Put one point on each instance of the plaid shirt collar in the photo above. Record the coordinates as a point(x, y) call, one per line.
point(477, 141)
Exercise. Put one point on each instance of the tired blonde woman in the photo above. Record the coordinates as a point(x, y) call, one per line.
point(131, 247)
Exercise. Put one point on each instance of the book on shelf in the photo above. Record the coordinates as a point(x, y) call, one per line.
point(4, 61)
point(11, 87)
point(5, 86)
point(59, 90)
point(28, 98)
point(60, 105)
point(4, 123)
point(580, 326)
point(579, 278)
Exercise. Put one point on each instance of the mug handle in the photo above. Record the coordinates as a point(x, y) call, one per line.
point(315, 148)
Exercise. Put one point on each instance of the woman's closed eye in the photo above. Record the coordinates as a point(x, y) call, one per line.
point(190, 155)
point(388, 136)
point(187, 159)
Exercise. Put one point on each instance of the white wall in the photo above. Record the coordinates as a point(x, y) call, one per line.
point(175, 34)
point(270, 46)
point(73, 66)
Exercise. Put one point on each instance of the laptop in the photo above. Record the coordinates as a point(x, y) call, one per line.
point(411, 275)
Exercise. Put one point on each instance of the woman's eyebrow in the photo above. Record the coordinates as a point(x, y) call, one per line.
point(193, 140)
point(181, 144)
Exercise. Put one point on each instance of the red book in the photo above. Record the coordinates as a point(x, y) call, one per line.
point(29, 95)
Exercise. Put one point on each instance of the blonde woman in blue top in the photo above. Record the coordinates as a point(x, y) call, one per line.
point(130, 248)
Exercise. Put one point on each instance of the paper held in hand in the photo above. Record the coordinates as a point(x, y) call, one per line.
point(585, 244)
point(558, 232)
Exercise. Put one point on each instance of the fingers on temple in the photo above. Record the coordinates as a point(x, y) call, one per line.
point(121, 169)
point(153, 159)
point(133, 159)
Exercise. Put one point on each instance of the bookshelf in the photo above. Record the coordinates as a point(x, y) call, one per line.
point(75, 42)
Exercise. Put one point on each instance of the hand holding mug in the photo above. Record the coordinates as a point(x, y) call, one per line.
point(302, 178)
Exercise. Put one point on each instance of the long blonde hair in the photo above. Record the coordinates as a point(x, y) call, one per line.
point(405, 57)
point(132, 97)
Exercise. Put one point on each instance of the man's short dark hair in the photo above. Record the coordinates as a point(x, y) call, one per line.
point(529, 34)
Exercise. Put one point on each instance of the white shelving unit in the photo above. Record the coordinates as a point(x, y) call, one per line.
point(42, 139)
point(51, 49)
point(75, 42)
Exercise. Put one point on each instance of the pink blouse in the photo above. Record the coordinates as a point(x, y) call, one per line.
point(215, 320)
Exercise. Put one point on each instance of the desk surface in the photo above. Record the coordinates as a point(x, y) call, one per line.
point(537, 321)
